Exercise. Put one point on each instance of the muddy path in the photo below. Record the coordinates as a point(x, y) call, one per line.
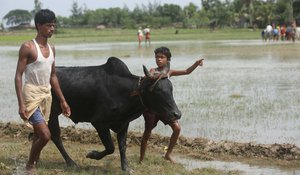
point(282, 155)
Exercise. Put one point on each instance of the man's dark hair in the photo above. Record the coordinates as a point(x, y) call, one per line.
point(44, 16)
point(165, 51)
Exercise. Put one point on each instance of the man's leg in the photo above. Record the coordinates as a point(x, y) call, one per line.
point(41, 137)
point(176, 131)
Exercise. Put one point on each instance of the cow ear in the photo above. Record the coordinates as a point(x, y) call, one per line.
point(146, 72)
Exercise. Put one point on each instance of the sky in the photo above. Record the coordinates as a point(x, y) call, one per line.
point(63, 7)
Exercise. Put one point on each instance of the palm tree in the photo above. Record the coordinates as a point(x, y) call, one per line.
point(250, 9)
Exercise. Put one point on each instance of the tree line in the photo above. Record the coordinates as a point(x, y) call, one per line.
point(209, 13)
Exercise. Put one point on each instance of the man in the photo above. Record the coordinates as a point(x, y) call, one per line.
point(268, 32)
point(36, 60)
point(140, 36)
point(147, 35)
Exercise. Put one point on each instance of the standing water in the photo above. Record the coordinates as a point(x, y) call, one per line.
point(247, 91)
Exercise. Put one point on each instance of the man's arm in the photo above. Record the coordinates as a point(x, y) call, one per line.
point(188, 70)
point(24, 55)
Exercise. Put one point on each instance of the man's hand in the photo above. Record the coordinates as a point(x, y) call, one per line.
point(66, 111)
point(23, 112)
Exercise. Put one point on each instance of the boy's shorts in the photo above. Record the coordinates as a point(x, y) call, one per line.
point(36, 117)
point(152, 119)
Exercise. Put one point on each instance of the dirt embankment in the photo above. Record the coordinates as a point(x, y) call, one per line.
point(200, 145)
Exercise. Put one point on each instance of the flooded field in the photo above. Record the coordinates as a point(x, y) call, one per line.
point(245, 169)
point(247, 91)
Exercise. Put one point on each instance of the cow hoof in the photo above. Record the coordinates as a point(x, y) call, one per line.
point(72, 164)
point(94, 155)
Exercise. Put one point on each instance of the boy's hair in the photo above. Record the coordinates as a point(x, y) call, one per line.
point(44, 16)
point(165, 51)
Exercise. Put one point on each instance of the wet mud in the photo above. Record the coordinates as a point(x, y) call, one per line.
point(208, 149)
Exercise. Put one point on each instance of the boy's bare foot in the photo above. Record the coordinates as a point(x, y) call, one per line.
point(167, 157)
point(30, 170)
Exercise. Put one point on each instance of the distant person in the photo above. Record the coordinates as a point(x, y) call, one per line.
point(147, 35)
point(290, 33)
point(140, 36)
point(283, 33)
point(263, 35)
point(37, 62)
point(268, 32)
point(163, 58)
point(294, 30)
point(279, 32)
point(275, 34)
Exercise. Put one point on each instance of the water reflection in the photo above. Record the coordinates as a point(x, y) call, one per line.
point(247, 91)
point(246, 169)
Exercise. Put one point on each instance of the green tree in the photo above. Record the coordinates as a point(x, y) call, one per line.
point(202, 18)
point(211, 13)
point(37, 7)
point(137, 15)
point(290, 10)
point(218, 12)
point(190, 15)
point(171, 11)
point(284, 10)
point(296, 11)
point(190, 10)
point(207, 4)
point(18, 16)
point(76, 14)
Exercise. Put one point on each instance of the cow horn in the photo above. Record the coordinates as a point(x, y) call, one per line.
point(146, 72)
point(154, 84)
point(166, 68)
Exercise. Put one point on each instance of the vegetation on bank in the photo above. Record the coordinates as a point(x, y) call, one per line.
point(206, 13)
point(89, 35)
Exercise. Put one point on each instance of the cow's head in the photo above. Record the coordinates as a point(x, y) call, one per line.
point(157, 94)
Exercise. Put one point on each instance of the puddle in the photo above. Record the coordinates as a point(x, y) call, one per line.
point(246, 169)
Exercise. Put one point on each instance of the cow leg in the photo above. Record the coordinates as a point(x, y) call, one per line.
point(54, 128)
point(106, 139)
point(122, 136)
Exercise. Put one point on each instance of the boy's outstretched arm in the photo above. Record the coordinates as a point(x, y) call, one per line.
point(188, 70)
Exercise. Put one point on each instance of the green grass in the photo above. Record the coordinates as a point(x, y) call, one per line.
point(90, 35)
point(14, 154)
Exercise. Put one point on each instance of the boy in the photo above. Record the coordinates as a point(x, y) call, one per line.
point(163, 58)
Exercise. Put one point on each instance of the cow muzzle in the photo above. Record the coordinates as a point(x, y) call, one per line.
point(177, 114)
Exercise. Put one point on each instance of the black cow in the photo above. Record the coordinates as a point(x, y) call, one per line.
point(109, 97)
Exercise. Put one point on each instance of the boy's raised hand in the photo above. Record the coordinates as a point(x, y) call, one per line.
point(200, 62)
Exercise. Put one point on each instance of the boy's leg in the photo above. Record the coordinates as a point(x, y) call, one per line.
point(146, 136)
point(176, 131)
point(150, 123)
